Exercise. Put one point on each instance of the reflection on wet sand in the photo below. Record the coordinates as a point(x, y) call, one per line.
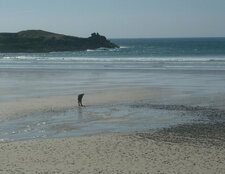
point(107, 118)
point(79, 114)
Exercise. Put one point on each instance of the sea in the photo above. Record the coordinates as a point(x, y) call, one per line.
point(194, 68)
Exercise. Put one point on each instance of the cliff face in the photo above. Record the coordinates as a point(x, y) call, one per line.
point(43, 41)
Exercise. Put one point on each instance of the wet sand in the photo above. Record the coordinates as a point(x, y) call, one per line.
point(25, 106)
point(116, 153)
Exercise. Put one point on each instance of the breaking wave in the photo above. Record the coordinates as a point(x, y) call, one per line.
point(113, 59)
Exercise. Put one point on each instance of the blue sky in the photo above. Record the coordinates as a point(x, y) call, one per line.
point(116, 18)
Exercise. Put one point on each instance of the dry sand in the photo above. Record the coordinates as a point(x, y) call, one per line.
point(110, 154)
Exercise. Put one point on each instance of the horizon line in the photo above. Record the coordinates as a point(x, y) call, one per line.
point(186, 37)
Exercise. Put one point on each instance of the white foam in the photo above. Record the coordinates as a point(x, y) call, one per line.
point(88, 50)
point(113, 59)
point(124, 47)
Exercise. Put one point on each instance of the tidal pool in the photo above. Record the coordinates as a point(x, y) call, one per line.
point(95, 120)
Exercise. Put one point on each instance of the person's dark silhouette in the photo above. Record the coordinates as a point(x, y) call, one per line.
point(79, 98)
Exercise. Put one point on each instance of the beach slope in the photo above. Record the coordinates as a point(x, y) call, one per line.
point(118, 153)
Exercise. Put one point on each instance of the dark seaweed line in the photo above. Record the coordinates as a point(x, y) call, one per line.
point(204, 134)
point(211, 113)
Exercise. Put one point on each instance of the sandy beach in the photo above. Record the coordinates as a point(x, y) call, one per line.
point(181, 149)
point(116, 153)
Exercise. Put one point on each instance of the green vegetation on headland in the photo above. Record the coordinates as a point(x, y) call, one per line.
point(31, 41)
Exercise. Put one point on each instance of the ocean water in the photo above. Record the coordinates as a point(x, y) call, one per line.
point(192, 67)
point(196, 64)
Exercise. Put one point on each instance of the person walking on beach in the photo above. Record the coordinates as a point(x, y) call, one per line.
point(79, 98)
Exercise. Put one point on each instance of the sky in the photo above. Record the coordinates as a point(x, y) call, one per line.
point(116, 18)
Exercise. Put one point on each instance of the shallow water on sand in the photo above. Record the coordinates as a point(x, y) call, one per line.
point(100, 119)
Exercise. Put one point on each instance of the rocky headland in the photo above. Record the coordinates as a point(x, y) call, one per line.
point(31, 41)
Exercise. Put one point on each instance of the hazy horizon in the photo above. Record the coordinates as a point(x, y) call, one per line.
point(117, 19)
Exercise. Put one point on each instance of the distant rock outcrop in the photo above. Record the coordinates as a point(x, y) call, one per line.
point(31, 41)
